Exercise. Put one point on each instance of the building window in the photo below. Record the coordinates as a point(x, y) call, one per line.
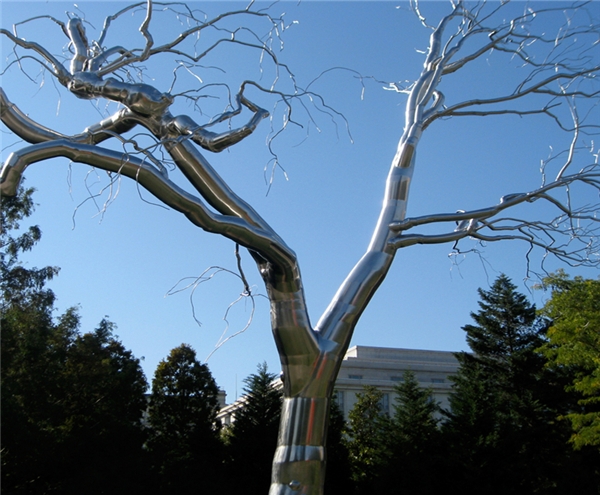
point(396, 378)
point(338, 397)
point(355, 377)
point(437, 380)
point(384, 404)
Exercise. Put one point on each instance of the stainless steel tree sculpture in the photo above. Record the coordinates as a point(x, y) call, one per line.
point(562, 86)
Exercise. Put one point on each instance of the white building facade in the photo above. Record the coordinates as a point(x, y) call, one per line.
point(383, 368)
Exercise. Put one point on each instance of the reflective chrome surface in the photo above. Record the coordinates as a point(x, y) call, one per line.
point(299, 464)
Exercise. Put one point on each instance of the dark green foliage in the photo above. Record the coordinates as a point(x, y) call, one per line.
point(504, 342)
point(414, 443)
point(33, 394)
point(184, 394)
point(368, 431)
point(414, 412)
point(184, 443)
point(503, 428)
point(495, 404)
point(252, 438)
point(22, 287)
point(71, 411)
point(338, 474)
point(98, 366)
point(103, 428)
point(71, 404)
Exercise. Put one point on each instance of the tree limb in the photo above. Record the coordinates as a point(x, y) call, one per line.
point(58, 70)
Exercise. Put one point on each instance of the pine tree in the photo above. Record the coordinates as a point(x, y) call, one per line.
point(504, 340)
point(414, 442)
point(339, 473)
point(415, 412)
point(252, 437)
point(502, 424)
point(368, 432)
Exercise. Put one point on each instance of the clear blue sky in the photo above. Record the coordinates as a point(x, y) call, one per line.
point(123, 262)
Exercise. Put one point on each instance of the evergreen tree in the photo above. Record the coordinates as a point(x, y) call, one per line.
point(185, 442)
point(471, 426)
point(252, 437)
point(502, 424)
point(414, 419)
point(368, 432)
point(414, 443)
point(338, 476)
